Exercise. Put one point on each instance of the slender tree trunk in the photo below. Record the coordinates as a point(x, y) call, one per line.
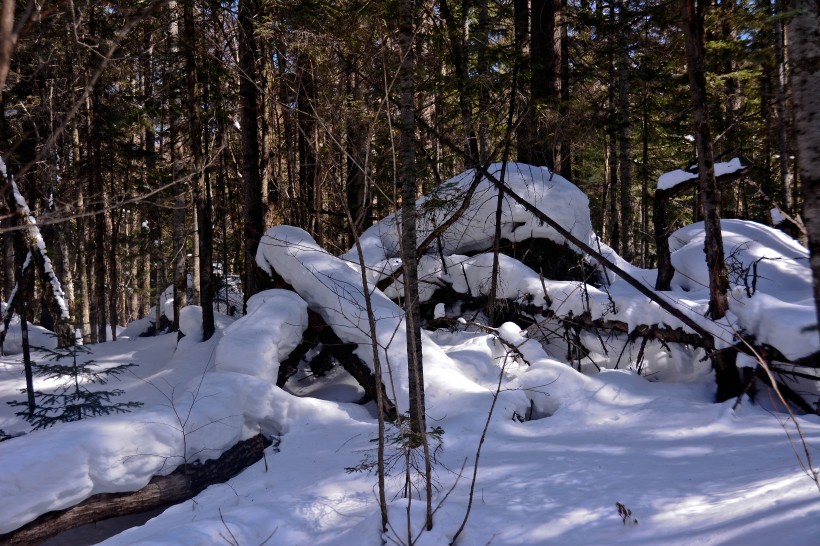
point(728, 381)
point(456, 34)
point(180, 225)
point(254, 212)
point(521, 23)
point(112, 230)
point(804, 60)
point(8, 264)
point(308, 145)
point(624, 144)
point(482, 39)
point(203, 243)
point(408, 181)
point(98, 195)
point(356, 134)
point(84, 314)
point(786, 174)
point(564, 163)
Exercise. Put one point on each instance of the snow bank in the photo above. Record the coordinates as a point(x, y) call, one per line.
point(776, 303)
point(58, 467)
point(37, 337)
point(554, 195)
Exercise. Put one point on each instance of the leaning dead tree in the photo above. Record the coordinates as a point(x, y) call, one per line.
point(36, 258)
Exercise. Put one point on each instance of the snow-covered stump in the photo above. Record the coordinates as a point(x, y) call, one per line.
point(674, 184)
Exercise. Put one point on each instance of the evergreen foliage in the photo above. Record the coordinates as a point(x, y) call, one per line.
point(72, 400)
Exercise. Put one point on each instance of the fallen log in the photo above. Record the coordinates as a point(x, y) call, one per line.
point(184, 483)
point(319, 331)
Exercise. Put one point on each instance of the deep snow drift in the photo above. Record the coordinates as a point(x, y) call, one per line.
point(562, 447)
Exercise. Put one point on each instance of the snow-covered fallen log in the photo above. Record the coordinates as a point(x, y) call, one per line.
point(333, 289)
point(187, 481)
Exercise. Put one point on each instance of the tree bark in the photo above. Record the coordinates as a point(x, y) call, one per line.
point(180, 226)
point(804, 59)
point(201, 189)
point(254, 212)
point(543, 90)
point(728, 381)
point(408, 180)
point(624, 143)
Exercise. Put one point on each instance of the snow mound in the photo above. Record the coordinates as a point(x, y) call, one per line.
point(551, 193)
point(257, 343)
point(37, 337)
point(770, 279)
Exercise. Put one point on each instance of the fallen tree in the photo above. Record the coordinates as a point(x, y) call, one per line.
point(184, 483)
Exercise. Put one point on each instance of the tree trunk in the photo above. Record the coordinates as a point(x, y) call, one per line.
point(408, 180)
point(543, 89)
point(804, 59)
point(254, 212)
point(180, 226)
point(356, 140)
point(781, 108)
point(456, 35)
point(728, 381)
point(624, 144)
point(521, 23)
point(8, 263)
point(308, 145)
point(203, 243)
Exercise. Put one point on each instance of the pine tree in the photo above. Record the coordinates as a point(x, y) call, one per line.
point(72, 400)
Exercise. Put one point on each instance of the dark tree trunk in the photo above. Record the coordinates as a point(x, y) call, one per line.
point(356, 141)
point(728, 381)
point(408, 180)
point(201, 190)
point(781, 108)
point(543, 88)
point(624, 143)
point(253, 208)
point(308, 145)
point(521, 23)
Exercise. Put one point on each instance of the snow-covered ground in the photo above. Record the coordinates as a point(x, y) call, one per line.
point(690, 470)
point(562, 448)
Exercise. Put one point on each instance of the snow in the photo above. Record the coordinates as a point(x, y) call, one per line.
point(550, 192)
point(671, 179)
point(562, 447)
point(37, 337)
point(777, 215)
point(690, 470)
point(779, 308)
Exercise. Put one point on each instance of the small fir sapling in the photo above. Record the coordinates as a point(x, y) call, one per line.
point(72, 400)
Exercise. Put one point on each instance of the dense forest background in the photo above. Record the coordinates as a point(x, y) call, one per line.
point(154, 140)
